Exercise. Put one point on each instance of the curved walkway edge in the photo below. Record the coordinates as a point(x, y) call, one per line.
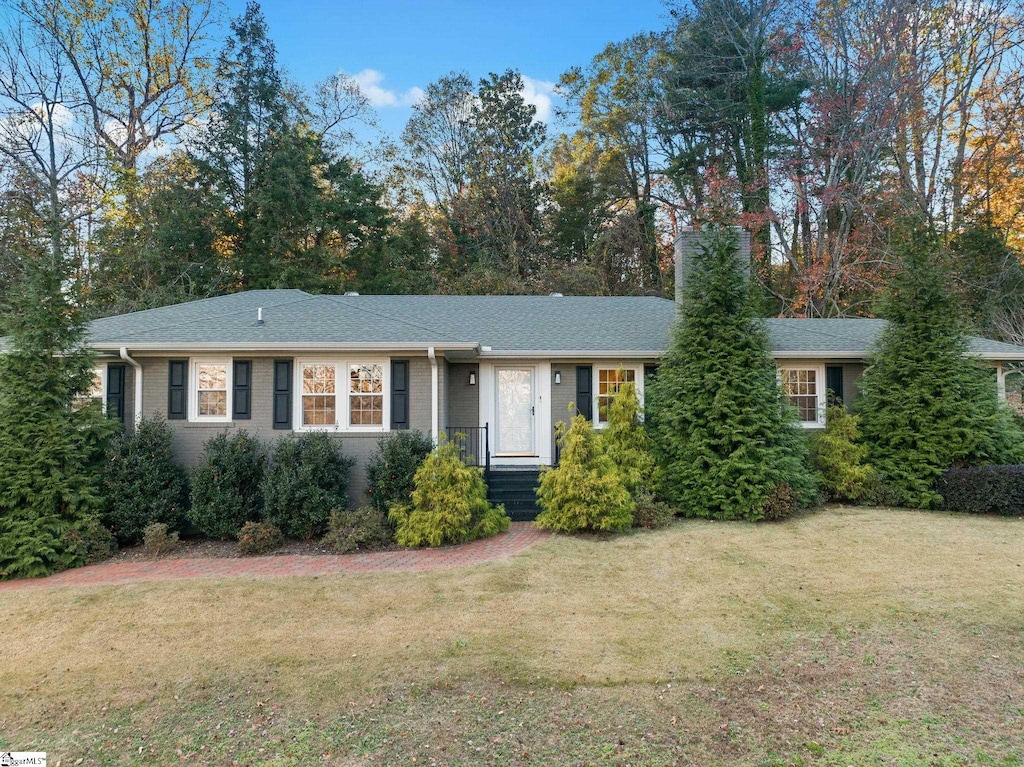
point(521, 536)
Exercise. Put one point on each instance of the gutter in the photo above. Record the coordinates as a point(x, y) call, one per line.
point(435, 389)
point(243, 346)
point(137, 378)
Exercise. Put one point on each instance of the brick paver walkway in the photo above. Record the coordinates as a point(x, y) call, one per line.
point(521, 536)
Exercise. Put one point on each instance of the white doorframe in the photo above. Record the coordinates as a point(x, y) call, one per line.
point(541, 408)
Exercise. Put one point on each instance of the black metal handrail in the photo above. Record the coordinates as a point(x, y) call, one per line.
point(474, 445)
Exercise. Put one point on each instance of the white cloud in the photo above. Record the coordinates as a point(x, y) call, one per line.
point(370, 83)
point(539, 93)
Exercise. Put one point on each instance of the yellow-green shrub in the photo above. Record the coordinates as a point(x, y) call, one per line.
point(449, 504)
point(585, 491)
point(840, 458)
point(625, 441)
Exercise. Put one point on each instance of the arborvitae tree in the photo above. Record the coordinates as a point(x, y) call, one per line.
point(585, 491)
point(724, 437)
point(925, 405)
point(51, 447)
point(449, 504)
point(625, 441)
point(840, 457)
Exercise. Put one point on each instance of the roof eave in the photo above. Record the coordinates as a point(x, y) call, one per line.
point(173, 348)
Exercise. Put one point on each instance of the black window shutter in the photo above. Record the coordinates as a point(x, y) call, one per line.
point(585, 391)
point(650, 370)
point(399, 394)
point(282, 394)
point(115, 392)
point(834, 383)
point(177, 383)
point(241, 388)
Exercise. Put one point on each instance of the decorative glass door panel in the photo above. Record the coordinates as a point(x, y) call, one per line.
point(514, 409)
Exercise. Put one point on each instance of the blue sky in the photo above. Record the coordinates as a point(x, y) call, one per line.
point(397, 47)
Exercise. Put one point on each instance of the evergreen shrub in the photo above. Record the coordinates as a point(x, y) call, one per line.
point(392, 467)
point(143, 483)
point(90, 541)
point(984, 490)
point(724, 437)
point(226, 485)
point(585, 492)
point(259, 538)
point(625, 441)
point(840, 458)
point(364, 529)
point(158, 539)
point(925, 405)
point(651, 513)
point(449, 504)
point(308, 477)
point(51, 446)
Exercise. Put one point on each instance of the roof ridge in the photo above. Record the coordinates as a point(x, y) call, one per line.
point(205, 319)
point(442, 336)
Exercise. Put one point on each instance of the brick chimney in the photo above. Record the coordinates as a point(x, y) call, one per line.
point(686, 244)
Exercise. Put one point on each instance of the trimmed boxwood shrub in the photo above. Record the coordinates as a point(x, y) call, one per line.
point(392, 467)
point(89, 540)
point(651, 513)
point(259, 538)
point(984, 490)
point(143, 483)
point(308, 477)
point(449, 504)
point(585, 492)
point(157, 540)
point(226, 485)
point(365, 529)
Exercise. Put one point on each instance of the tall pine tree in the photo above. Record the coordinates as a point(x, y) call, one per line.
point(50, 448)
point(729, 446)
point(925, 405)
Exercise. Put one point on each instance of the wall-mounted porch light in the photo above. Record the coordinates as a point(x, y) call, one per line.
point(472, 378)
point(558, 376)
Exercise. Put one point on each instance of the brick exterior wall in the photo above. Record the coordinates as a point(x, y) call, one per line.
point(463, 407)
point(189, 437)
point(459, 404)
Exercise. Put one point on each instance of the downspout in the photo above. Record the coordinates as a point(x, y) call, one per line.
point(137, 399)
point(434, 391)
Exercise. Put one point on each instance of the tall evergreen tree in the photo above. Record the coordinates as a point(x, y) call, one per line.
point(925, 405)
point(293, 212)
point(50, 448)
point(727, 443)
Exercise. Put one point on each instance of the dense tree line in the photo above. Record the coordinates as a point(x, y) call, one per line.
point(161, 153)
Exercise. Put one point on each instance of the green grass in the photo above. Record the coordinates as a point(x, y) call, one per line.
point(850, 636)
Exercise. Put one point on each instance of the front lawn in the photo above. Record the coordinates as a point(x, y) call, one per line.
point(849, 636)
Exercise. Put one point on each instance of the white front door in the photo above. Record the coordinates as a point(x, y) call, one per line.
point(514, 411)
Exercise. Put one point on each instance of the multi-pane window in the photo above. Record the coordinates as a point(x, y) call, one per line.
point(95, 391)
point(212, 389)
point(609, 381)
point(800, 387)
point(319, 395)
point(366, 395)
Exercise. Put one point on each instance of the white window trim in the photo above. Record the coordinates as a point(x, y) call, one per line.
point(819, 388)
point(342, 394)
point(595, 384)
point(101, 371)
point(193, 389)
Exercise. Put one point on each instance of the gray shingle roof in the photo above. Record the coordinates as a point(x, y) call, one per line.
point(496, 324)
